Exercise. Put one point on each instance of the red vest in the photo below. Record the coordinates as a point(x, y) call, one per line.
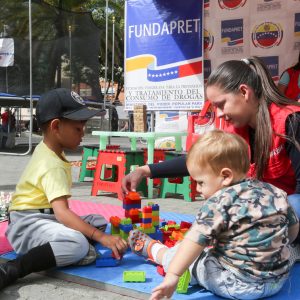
point(293, 89)
point(279, 171)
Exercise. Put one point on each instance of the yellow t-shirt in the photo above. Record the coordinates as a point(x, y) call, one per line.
point(45, 178)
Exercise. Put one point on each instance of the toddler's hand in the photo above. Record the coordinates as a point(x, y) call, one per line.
point(115, 243)
point(166, 288)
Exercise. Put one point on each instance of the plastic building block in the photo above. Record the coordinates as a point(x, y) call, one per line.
point(126, 228)
point(133, 196)
point(185, 225)
point(160, 270)
point(134, 276)
point(147, 209)
point(115, 221)
point(177, 235)
point(126, 221)
point(183, 282)
point(107, 262)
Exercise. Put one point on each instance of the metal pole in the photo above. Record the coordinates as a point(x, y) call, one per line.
point(30, 86)
point(6, 79)
point(6, 75)
point(106, 62)
point(113, 54)
point(70, 54)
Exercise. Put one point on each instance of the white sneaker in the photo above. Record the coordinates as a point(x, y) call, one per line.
point(89, 258)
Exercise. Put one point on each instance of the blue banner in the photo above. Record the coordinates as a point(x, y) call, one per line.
point(163, 48)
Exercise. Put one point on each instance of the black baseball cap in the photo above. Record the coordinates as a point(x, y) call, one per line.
point(63, 103)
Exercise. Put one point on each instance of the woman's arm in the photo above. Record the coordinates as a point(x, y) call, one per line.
point(175, 167)
point(167, 169)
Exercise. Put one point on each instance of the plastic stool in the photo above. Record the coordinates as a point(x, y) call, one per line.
point(185, 186)
point(91, 151)
point(87, 152)
point(159, 155)
point(122, 161)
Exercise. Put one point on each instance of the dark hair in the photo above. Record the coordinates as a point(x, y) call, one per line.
point(297, 65)
point(254, 73)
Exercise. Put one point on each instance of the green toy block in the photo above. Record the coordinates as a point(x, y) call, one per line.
point(148, 230)
point(124, 235)
point(183, 282)
point(134, 276)
point(126, 221)
point(114, 230)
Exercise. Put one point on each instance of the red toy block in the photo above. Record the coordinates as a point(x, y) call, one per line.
point(160, 270)
point(184, 225)
point(170, 243)
point(115, 221)
point(134, 196)
point(147, 209)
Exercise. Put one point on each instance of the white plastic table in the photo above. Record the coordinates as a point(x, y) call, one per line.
point(150, 137)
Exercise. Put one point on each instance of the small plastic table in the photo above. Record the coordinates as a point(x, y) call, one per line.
point(150, 137)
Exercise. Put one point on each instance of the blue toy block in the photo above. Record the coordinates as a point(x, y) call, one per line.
point(158, 235)
point(107, 262)
point(163, 224)
point(126, 228)
point(129, 206)
point(155, 207)
point(146, 220)
point(105, 253)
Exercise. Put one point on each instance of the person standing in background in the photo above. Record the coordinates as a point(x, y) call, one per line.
point(5, 120)
point(289, 83)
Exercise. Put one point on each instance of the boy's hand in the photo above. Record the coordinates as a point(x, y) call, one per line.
point(115, 243)
point(166, 288)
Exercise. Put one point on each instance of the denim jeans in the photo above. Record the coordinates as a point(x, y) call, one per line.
point(294, 200)
point(210, 274)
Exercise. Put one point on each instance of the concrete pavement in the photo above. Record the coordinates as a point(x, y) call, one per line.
point(37, 286)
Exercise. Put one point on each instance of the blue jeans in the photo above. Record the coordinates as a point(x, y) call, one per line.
point(294, 201)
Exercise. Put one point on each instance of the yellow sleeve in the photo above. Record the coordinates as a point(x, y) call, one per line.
point(56, 184)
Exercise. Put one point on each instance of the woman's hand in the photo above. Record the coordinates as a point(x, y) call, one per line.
point(132, 180)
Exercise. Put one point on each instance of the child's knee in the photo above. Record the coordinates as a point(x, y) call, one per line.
point(80, 247)
point(70, 251)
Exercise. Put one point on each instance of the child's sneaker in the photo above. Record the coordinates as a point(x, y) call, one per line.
point(294, 254)
point(89, 258)
point(140, 243)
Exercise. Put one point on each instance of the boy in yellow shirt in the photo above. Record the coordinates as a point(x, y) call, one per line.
point(42, 228)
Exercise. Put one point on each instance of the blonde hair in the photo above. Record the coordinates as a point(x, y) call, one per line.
point(218, 149)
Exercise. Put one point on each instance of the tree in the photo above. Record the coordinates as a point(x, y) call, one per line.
point(57, 25)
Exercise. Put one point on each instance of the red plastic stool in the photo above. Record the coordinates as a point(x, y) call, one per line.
point(88, 165)
point(121, 162)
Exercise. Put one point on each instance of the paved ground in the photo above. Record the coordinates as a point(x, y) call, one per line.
point(37, 286)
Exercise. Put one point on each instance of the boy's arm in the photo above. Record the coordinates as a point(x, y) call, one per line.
point(187, 252)
point(65, 216)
